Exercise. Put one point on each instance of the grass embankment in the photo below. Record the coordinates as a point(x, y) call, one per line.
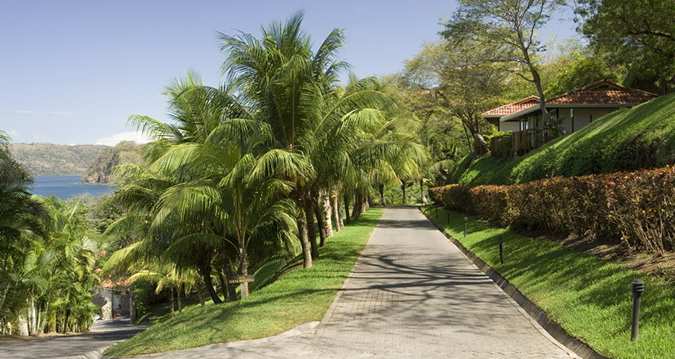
point(588, 297)
point(300, 296)
point(643, 136)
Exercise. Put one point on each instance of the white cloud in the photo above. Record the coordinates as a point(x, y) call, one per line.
point(123, 136)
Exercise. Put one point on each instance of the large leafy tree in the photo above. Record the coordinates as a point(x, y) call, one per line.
point(457, 78)
point(509, 28)
point(637, 34)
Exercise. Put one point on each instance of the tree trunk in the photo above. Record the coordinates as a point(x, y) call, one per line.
point(326, 213)
point(422, 199)
point(346, 204)
point(304, 242)
point(405, 197)
point(336, 211)
point(172, 301)
point(311, 228)
point(180, 302)
point(320, 221)
point(358, 206)
point(205, 271)
point(480, 146)
point(231, 291)
point(243, 270)
point(380, 188)
point(223, 285)
point(536, 79)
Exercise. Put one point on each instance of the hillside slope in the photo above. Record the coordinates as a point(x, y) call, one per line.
point(101, 170)
point(44, 159)
point(640, 137)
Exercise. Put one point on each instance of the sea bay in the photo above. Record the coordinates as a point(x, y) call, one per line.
point(65, 187)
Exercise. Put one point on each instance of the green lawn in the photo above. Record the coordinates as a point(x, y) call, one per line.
point(588, 297)
point(299, 296)
point(643, 136)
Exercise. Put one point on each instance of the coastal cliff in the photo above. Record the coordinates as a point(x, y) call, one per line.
point(101, 171)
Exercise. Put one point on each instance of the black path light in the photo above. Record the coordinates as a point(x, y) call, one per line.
point(638, 287)
point(501, 251)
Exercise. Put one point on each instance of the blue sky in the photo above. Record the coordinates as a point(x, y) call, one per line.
point(73, 71)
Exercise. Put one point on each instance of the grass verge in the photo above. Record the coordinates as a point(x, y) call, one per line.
point(300, 296)
point(588, 297)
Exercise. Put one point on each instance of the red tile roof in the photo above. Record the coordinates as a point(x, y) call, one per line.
point(510, 108)
point(603, 92)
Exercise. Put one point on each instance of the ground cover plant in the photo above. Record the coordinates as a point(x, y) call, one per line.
point(590, 298)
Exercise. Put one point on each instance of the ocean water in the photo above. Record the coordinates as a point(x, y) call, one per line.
point(67, 187)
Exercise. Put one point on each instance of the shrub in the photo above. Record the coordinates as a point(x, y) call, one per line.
point(501, 145)
point(633, 208)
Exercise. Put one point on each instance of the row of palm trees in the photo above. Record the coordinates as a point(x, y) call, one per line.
point(259, 168)
point(47, 259)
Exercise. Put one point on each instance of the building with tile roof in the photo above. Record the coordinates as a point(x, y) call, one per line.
point(568, 112)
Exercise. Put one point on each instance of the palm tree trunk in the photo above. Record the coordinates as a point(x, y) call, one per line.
point(243, 270)
point(422, 199)
point(405, 198)
point(231, 291)
point(180, 303)
point(304, 242)
point(346, 204)
point(173, 307)
point(311, 228)
point(336, 211)
point(320, 222)
point(381, 189)
point(326, 211)
point(205, 271)
point(223, 283)
point(358, 206)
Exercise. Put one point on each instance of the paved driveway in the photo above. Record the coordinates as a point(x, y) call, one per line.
point(102, 334)
point(412, 294)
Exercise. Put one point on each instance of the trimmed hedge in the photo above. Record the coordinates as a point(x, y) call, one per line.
point(633, 208)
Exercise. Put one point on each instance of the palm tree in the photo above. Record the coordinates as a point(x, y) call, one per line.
point(295, 91)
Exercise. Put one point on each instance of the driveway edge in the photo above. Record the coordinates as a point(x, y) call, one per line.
point(572, 343)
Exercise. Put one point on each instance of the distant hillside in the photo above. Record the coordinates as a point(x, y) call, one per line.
point(101, 170)
point(639, 137)
point(45, 159)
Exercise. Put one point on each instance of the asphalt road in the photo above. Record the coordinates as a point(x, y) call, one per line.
point(101, 335)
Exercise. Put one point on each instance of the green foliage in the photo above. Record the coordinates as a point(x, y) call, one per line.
point(628, 139)
point(574, 69)
point(241, 174)
point(636, 34)
point(501, 145)
point(630, 208)
point(299, 296)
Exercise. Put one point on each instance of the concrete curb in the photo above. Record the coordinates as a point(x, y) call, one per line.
point(572, 343)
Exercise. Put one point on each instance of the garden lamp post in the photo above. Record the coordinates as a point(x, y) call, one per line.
point(638, 287)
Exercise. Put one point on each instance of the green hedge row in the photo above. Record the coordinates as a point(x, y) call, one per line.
point(633, 208)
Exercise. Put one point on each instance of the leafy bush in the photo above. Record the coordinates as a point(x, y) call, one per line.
point(633, 208)
point(501, 145)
